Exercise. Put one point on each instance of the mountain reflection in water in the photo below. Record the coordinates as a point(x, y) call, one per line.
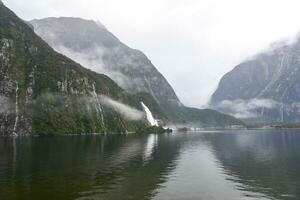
point(216, 165)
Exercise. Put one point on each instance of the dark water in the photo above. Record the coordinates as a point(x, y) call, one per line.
point(216, 165)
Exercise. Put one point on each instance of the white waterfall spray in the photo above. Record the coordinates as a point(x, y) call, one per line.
point(99, 107)
point(282, 111)
point(17, 111)
point(150, 146)
point(152, 121)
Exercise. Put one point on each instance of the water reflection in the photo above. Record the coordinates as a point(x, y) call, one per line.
point(216, 165)
point(88, 167)
point(200, 175)
point(149, 148)
point(267, 162)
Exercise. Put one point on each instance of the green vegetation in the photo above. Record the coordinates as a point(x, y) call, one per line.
point(56, 95)
point(206, 118)
point(154, 130)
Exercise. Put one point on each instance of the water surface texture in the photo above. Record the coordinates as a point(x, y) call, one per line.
point(213, 165)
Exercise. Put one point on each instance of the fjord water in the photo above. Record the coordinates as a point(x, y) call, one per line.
point(231, 165)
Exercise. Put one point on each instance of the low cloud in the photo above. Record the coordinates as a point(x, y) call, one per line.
point(126, 111)
point(88, 104)
point(94, 59)
point(244, 109)
point(201, 40)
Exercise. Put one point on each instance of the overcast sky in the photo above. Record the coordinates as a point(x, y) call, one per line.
point(192, 42)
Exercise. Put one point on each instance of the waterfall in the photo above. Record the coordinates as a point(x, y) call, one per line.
point(282, 112)
point(98, 107)
point(150, 118)
point(17, 111)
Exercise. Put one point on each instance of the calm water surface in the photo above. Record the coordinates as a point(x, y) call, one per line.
point(227, 165)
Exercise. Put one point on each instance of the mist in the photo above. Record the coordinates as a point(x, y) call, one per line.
point(193, 43)
point(126, 111)
point(245, 109)
point(93, 60)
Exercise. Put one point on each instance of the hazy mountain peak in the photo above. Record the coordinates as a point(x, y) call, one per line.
point(93, 46)
point(90, 44)
point(271, 76)
point(69, 29)
point(100, 24)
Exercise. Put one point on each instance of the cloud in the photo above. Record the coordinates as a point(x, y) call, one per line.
point(245, 109)
point(93, 59)
point(88, 104)
point(192, 42)
point(126, 111)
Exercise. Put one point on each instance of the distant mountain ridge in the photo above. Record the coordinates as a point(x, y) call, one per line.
point(93, 46)
point(267, 87)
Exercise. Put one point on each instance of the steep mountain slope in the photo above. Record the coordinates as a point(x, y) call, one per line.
point(89, 43)
point(92, 45)
point(266, 88)
point(44, 92)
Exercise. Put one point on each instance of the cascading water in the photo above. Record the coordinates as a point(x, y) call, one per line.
point(17, 111)
point(152, 121)
point(99, 108)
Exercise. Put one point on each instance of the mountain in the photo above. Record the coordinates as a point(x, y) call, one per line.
point(91, 44)
point(44, 92)
point(265, 88)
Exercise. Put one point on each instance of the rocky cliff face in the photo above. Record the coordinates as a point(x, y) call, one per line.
point(265, 88)
point(44, 92)
point(92, 45)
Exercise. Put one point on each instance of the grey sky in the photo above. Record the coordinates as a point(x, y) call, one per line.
point(192, 42)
